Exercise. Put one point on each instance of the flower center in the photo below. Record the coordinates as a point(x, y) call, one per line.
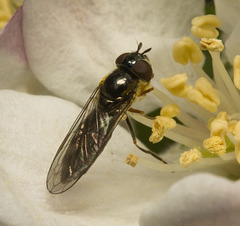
point(213, 130)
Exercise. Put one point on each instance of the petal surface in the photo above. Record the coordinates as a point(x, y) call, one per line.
point(228, 12)
point(201, 199)
point(14, 69)
point(70, 47)
point(111, 193)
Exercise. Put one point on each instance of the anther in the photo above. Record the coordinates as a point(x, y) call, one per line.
point(205, 26)
point(213, 44)
point(215, 145)
point(188, 157)
point(185, 50)
point(131, 160)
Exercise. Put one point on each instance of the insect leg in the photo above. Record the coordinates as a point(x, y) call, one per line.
point(133, 110)
point(147, 91)
point(135, 142)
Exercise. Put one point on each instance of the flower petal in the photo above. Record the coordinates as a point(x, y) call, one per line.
point(228, 12)
point(14, 68)
point(111, 193)
point(201, 199)
point(232, 44)
point(71, 46)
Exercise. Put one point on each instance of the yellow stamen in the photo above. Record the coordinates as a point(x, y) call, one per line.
point(131, 160)
point(219, 128)
point(236, 71)
point(176, 85)
point(188, 157)
point(170, 110)
point(160, 125)
point(157, 132)
point(214, 45)
point(215, 145)
point(222, 115)
point(207, 90)
point(196, 97)
point(231, 126)
point(185, 50)
point(236, 129)
point(205, 26)
point(204, 95)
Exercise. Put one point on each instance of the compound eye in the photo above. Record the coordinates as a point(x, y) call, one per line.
point(121, 58)
point(143, 69)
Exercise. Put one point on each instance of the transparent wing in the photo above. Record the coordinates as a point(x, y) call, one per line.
point(84, 142)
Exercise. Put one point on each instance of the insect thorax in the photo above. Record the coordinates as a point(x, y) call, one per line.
point(119, 86)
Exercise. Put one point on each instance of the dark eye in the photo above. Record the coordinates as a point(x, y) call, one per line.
point(121, 58)
point(143, 69)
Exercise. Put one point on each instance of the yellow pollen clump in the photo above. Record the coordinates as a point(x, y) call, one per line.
point(236, 71)
point(102, 81)
point(131, 160)
point(185, 50)
point(214, 45)
point(218, 127)
point(205, 26)
point(204, 95)
point(160, 125)
point(236, 129)
point(222, 115)
point(170, 110)
point(231, 126)
point(176, 84)
point(215, 145)
point(188, 157)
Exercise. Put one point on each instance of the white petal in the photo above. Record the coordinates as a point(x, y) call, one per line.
point(232, 44)
point(70, 47)
point(201, 199)
point(228, 12)
point(111, 193)
point(14, 68)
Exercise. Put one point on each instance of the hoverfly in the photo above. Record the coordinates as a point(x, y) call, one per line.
point(94, 125)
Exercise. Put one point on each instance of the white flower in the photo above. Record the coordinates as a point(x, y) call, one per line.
point(63, 49)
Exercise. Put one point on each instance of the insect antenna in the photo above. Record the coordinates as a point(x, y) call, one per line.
point(139, 47)
point(147, 50)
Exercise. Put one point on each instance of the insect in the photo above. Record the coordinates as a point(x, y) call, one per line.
point(93, 127)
